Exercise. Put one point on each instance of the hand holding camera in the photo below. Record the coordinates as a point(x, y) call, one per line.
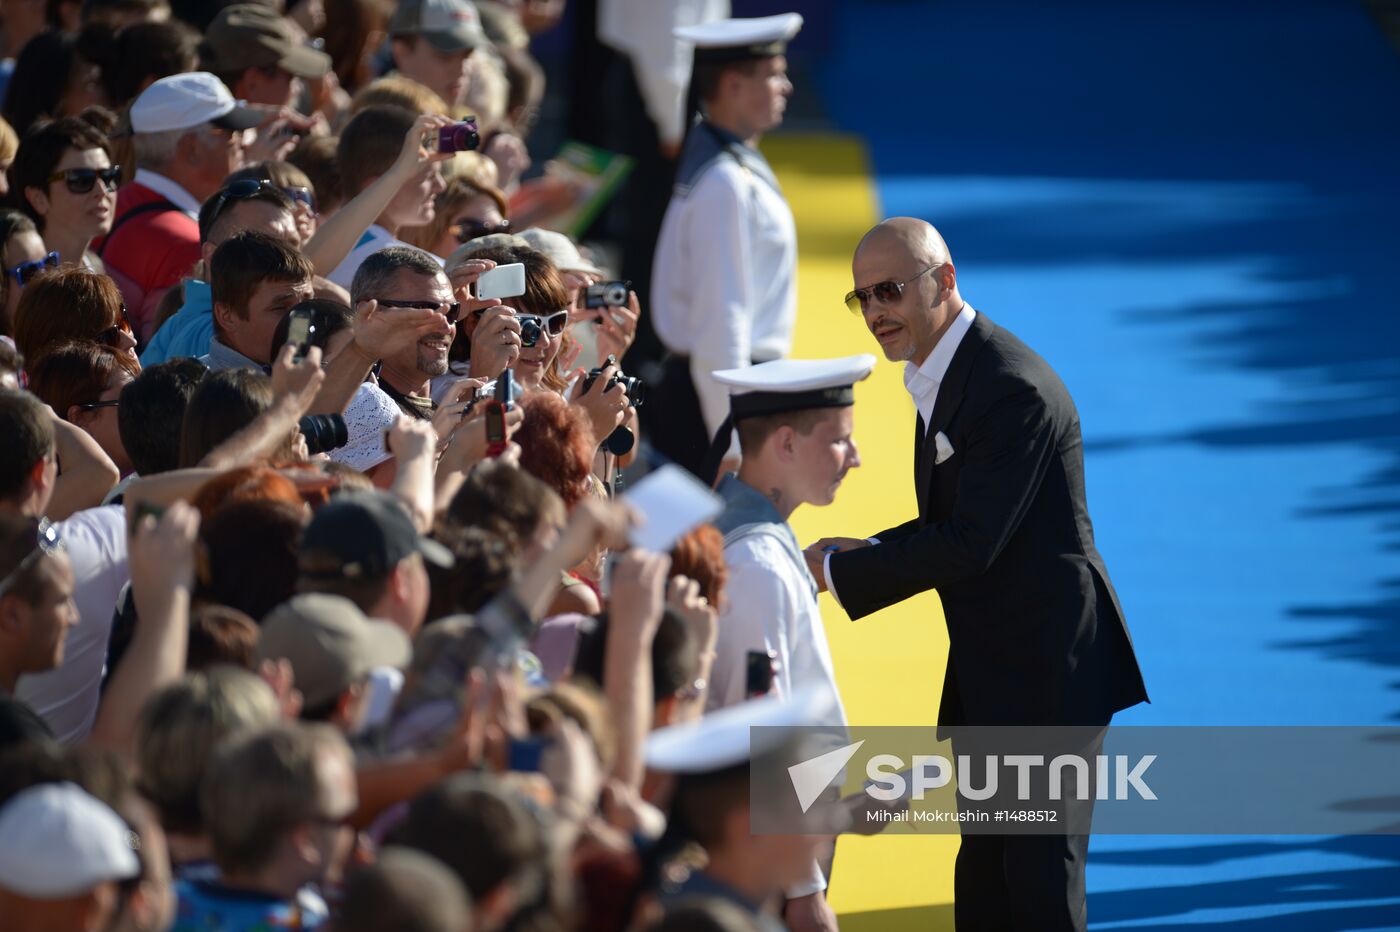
point(617, 312)
point(495, 342)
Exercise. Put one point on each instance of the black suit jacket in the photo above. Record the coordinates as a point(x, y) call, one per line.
point(1036, 634)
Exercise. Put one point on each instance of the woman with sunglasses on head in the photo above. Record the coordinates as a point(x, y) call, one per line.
point(71, 303)
point(82, 381)
point(65, 181)
point(464, 211)
point(22, 257)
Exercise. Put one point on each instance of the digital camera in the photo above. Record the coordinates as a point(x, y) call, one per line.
point(606, 294)
point(635, 388)
point(459, 137)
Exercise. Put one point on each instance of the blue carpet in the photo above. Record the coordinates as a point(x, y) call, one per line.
point(1190, 209)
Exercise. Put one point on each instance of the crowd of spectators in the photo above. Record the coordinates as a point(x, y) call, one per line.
point(299, 626)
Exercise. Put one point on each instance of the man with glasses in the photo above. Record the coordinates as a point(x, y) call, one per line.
point(724, 287)
point(94, 542)
point(1036, 633)
point(277, 806)
point(36, 598)
point(405, 278)
point(254, 280)
point(187, 133)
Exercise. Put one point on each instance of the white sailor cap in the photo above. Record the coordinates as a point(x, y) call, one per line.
point(794, 385)
point(722, 739)
point(739, 39)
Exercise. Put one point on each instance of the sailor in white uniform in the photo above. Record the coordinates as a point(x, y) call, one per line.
point(794, 419)
point(724, 291)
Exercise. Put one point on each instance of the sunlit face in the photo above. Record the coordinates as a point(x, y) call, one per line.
point(48, 620)
point(428, 357)
point(906, 328)
point(443, 73)
point(478, 212)
point(252, 334)
point(761, 96)
point(330, 832)
point(216, 154)
point(86, 215)
point(414, 204)
point(824, 456)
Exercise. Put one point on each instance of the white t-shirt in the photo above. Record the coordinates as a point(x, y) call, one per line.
point(67, 697)
point(373, 240)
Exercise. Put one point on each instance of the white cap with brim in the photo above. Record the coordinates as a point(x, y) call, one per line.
point(370, 412)
point(560, 249)
point(739, 39)
point(56, 842)
point(781, 386)
point(185, 101)
point(724, 738)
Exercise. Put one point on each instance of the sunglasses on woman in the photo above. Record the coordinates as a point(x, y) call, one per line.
point(472, 229)
point(46, 543)
point(112, 336)
point(81, 180)
point(300, 194)
point(884, 292)
point(26, 272)
point(553, 324)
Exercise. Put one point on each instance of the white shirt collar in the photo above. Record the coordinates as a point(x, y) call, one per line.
point(168, 189)
point(923, 381)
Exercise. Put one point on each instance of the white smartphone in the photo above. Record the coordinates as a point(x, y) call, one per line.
point(504, 281)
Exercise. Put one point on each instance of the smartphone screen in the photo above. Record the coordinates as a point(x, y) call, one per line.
point(496, 436)
point(504, 281)
point(299, 329)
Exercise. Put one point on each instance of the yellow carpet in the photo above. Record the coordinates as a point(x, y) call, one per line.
point(889, 666)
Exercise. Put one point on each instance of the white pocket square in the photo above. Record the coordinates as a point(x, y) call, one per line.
point(942, 446)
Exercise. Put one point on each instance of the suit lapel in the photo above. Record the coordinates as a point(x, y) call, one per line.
point(950, 396)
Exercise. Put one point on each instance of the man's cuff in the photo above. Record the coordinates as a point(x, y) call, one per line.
point(814, 882)
point(826, 575)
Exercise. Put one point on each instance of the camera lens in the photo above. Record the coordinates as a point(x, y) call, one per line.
point(529, 331)
point(324, 432)
point(636, 390)
point(615, 296)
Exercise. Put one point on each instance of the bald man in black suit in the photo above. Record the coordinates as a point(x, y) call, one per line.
point(1036, 633)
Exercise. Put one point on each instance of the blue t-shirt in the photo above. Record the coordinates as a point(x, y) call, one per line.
point(188, 330)
point(206, 906)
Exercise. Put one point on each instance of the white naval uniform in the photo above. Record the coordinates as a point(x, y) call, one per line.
point(770, 604)
point(724, 286)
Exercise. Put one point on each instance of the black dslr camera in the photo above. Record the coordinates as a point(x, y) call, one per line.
point(635, 388)
point(324, 432)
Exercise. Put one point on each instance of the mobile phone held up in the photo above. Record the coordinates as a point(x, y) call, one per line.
point(300, 329)
point(504, 281)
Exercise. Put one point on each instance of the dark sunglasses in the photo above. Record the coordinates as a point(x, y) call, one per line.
point(95, 405)
point(111, 337)
point(883, 292)
point(25, 272)
point(237, 191)
point(301, 195)
point(46, 543)
point(466, 232)
point(450, 311)
point(81, 180)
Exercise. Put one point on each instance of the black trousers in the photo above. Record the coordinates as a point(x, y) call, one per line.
point(1024, 882)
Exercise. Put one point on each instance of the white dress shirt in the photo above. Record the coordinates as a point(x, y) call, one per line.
point(169, 190)
point(922, 382)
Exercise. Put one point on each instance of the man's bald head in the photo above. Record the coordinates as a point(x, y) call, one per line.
point(913, 237)
point(911, 255)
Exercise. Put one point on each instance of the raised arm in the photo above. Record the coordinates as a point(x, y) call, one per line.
point(294, 387)
point(86, 472)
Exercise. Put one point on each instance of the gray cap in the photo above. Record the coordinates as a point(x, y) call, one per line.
point(448, 25)
point(330, 644)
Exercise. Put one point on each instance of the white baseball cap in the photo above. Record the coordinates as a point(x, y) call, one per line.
point(56, 841)
point(184, 101)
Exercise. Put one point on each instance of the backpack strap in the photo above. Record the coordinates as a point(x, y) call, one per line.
point(150, 207)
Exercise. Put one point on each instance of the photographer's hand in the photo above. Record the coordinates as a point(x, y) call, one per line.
point(606, 407)
point(617, 327)
point(495, 342)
